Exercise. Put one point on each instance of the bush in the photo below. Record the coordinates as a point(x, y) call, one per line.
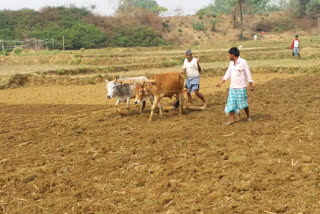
point(213, 15)
point(60, 71)
point(52, 23)
point(3, 52)
point(165, 24)
point(283, 24)
point(80, 35)
point(264, 26)
point(213, 24)
point(198, 26)
point(180, 30)
point(133, 36)
point(17, 51)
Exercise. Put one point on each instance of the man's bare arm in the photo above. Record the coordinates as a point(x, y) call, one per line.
point(199, 67)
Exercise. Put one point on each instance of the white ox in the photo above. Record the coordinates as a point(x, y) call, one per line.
point(123, 92)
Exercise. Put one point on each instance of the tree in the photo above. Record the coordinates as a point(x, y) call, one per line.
point(125, 6)
point(313, 7)
point(151, 5)
point(223, 6)
point(260, 5)
point(238, 8)
point(217, 7)
point(7, 24)
point(301, 7)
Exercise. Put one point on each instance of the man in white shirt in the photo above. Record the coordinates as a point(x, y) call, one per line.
point(240, 75)
point(192, 67)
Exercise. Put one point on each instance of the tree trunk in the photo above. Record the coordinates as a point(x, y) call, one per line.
point(234, 17)
point(241, 20)
point(234, 21)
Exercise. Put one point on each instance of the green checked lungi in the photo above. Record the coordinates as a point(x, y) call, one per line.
point(237, 100)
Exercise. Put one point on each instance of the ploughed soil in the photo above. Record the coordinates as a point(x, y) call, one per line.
point(66, 150)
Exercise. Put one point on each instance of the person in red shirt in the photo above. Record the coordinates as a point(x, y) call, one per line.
point(295, 47)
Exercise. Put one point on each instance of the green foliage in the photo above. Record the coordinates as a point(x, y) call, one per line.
point(17, 51)
point(180, 30)
point(198, 26)
point(79, 35)
point(300, 7)
point(213, 24)
point(223, 6)
point(54, 23)
point(133, 36)
point(280, 25)
point(226, 6)
point(3, 52)
point(60, 71)
point(150, 5)
point(166, 26)
point(6, 26)
point(219, 7)
point(207, 11)
point(284, 24)
point(263, 6)
point(6, 34)
point(313, 7)
point(83, 35)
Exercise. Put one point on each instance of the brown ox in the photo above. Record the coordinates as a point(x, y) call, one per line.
point(166, 85)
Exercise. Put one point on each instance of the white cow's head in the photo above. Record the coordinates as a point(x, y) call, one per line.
point(112, 88)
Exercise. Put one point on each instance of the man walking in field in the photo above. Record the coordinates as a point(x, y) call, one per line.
point(295, 47)
point(239, 73)
point(192, 67)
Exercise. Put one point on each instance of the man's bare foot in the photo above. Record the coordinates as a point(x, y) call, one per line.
point(249, 119)
point(205, 105)
point(229, 123)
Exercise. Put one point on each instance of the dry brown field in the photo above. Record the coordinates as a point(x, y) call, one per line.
point(65, 149)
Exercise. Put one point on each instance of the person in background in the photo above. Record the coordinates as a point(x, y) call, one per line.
point(296, 47)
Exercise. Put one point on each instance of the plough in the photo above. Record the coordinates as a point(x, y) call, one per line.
point(133, 81)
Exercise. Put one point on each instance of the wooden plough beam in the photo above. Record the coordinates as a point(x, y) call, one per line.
point(133, 81)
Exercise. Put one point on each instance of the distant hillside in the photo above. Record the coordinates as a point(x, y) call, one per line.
point(191, 30)
point(79, 28)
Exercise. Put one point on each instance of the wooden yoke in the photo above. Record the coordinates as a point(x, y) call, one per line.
point(133, 81)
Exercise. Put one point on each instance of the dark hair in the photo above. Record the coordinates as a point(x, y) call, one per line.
point(234, 51)
point(297, 36)
point(188, 52)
